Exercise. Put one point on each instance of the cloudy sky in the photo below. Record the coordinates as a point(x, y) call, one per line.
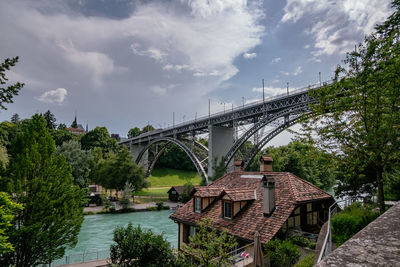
point(125, 63)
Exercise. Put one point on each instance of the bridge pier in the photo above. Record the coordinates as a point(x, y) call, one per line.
point(135, 151)
point(220, 140)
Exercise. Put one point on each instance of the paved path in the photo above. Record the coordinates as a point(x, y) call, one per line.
point(144, 206)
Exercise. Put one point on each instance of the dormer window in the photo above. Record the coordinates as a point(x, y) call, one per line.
point(197, 204)
point(227, 210)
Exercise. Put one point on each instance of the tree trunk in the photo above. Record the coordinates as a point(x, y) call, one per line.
point(381, 198)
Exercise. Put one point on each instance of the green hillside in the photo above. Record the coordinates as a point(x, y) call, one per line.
point(162, 179)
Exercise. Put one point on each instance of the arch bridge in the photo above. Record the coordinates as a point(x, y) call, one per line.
point(227, 132)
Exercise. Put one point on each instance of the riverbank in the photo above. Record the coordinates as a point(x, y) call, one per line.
point(136, 208)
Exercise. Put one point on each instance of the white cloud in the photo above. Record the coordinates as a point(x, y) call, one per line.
point(96, 63)
point(298, 71)
point(276, 60)
point(153, 53)
point(158, 90)
point(285, 73)
point(56, 96)
point(340, 24)
point(249, 55)
point(270, 91)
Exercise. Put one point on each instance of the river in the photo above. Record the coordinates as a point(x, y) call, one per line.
point(97, 232)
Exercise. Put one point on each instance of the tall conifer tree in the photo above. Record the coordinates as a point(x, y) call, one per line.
point(43, 184)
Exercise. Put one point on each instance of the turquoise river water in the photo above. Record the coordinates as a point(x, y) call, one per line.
point(97, 232)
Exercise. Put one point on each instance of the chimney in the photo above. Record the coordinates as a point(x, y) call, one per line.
point(265, 164)
point(238, 165)
point(268, 185)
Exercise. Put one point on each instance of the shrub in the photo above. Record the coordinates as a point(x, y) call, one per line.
point(135, 247)
point(302, 241)
point(160, 205)
point(282, 253)
point(307, 261)
point(350, 221)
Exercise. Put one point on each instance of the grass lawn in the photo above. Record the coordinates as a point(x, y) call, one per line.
point(157, 192)
point(168, 177)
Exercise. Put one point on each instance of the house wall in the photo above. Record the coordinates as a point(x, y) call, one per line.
point(308, 216)
point(180, 241)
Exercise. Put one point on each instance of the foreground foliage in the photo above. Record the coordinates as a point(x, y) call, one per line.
point(8, 209)
point(350, 221)
point(282, 253)
point(307, 261)
point(7, 94)
point(207, 247)
point(52, 206)
point(303, 159)
point(358, 116)
point(136, 247)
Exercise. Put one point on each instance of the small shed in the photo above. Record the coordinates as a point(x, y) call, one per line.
point(175, 193)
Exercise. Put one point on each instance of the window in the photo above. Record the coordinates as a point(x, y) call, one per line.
point(197, 204)
point(227, 210)
point(192, 231)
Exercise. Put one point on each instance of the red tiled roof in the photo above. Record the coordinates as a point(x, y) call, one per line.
point(240, 195)
point(207, 191)
point(289, 192)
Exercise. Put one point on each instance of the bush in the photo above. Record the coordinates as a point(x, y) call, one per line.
point(135, 247)
point(160, 205)
point(307, 261)
point(282, 253)
point(350, 221)
point(302, 241)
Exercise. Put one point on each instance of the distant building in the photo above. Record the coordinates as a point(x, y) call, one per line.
point(76, 128)
point(79, 130)
point(175, 193)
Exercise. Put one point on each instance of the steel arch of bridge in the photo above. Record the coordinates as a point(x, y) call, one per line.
point(267, 138)
point(299, 109)
point(190, 153)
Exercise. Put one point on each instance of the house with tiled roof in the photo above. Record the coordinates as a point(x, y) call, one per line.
point(242, 203)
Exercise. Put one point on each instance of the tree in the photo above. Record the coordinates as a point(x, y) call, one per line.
point(219, 168)
point(116, 169)
point(207, 247)
point(62, 126)
point(50, 120)
point(303, 159)
point(80, 161)
point(7, 94)
point(133, 132)
point(98, 137)
point(127, 193)
point(53, 206)
point(187, 189)
point(135, 247)
point(8, 209)
point(148, 128)
point(15, 118)
point(61, 135)
point(358, 116)
point(174, 157)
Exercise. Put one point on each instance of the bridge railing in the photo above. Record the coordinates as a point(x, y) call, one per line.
point(326, 248)
point(242, 107)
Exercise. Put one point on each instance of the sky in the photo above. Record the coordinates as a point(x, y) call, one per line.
point(121, 64)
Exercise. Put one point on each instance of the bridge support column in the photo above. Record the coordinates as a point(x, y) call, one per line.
point(220, 140)
point(135, 151)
